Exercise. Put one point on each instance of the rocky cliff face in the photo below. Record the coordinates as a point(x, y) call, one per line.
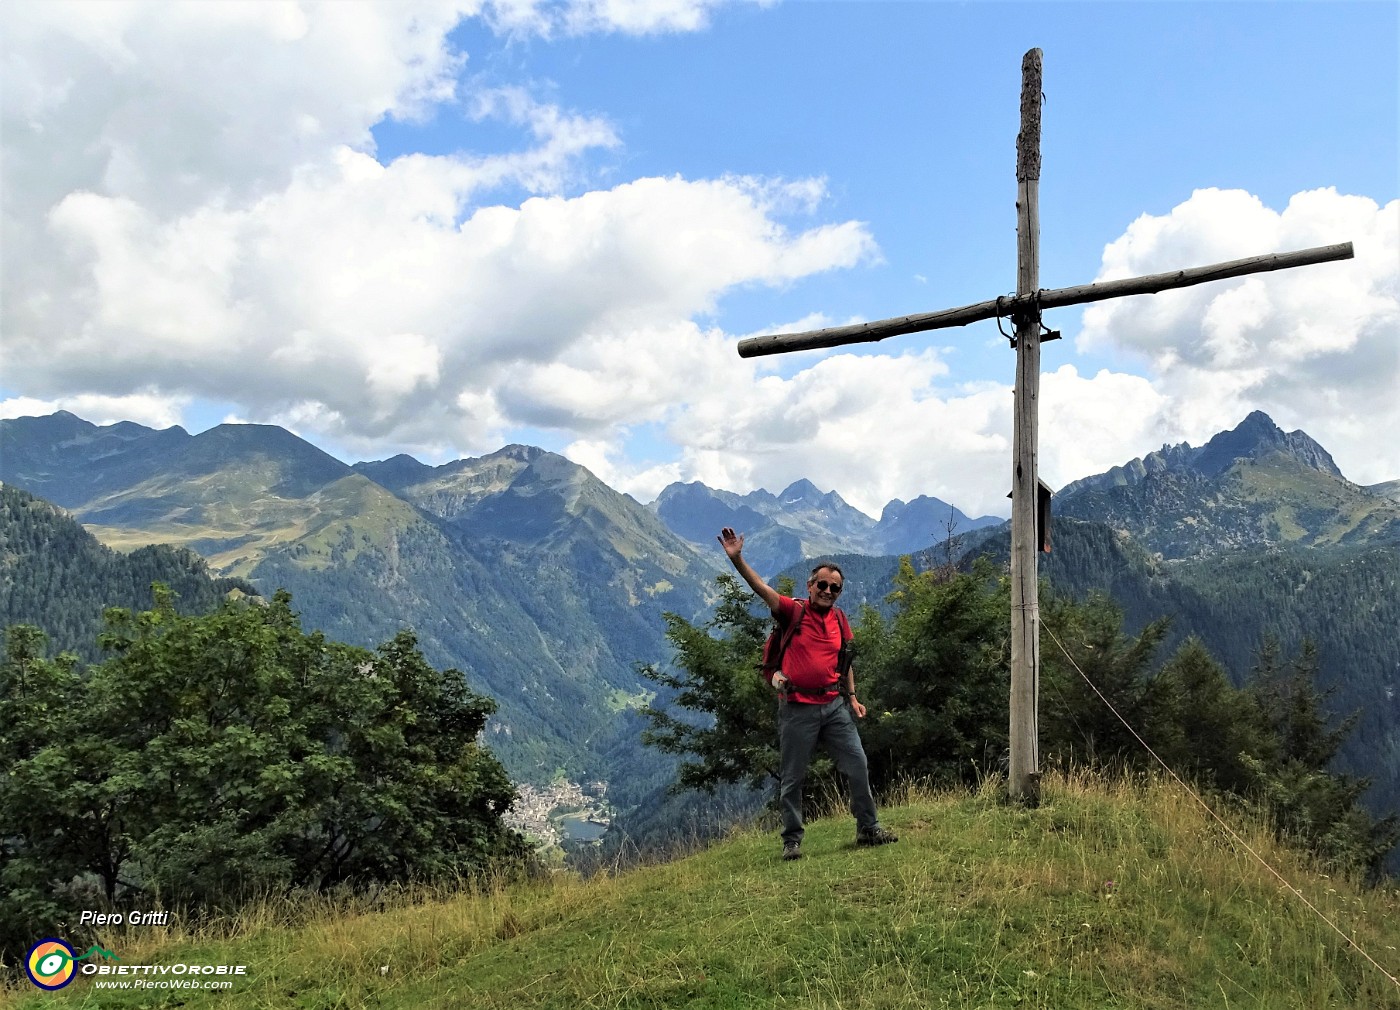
point(1252, 486)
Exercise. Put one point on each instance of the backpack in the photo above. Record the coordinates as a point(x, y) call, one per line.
point(771, 660)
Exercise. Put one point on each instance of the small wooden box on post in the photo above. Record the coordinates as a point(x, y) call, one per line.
point(1028, 536)
point(1042, 516)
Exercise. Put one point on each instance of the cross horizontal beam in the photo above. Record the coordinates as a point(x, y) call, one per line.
point(1011, 306)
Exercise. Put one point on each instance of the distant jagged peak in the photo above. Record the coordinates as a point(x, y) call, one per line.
point(892, 508)
point(684, 493)
point(801, 490)
point(529, 463)
point(804, 492)
point(684, 489)
point(396, 472)
point(897, 507)
point(518, 466)
point(463, 482)
point(64, 418)
point(1169, 457)
point(1257, 436)
point(520, 453)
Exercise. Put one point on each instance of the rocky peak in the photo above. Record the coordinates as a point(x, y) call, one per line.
point(526, 454)
point(396, 472)
point(801, 491)
point(1258, 436)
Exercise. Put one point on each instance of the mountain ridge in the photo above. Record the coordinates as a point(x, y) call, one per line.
point(546, 587)
point(803, 522)
point(1251, 486)
point(1255, 433)
point(521, 569)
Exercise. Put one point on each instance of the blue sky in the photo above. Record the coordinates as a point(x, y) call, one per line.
point(444, 227)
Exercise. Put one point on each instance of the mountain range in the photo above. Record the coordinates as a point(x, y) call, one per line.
point(521, 569)
point(802, 522)
point(1253, 486)
point(546, 587)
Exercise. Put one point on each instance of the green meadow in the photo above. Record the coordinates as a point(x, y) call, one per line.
point(1111, 893)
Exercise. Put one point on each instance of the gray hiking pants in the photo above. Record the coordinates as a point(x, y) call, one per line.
point(800, 728)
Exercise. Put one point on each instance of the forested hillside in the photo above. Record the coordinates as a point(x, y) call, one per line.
point(56, 576)
point(521, 569)
point(1345, 600)
point(547, 588)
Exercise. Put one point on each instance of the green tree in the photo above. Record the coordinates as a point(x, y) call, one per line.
point(40, 858)
point(1091, 669)
point(1305, 799)
point(212, 757)
point(728, 728)
point(1206, 729)
point(935, 676)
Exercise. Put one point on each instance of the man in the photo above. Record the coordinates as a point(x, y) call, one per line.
point(811, 707)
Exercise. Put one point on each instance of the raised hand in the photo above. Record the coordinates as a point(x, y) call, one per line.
point(733, 543)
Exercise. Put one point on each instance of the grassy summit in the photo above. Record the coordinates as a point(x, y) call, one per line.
point(1110, 894)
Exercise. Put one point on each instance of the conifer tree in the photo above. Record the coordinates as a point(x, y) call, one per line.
point(1304, 798)
point(1101, 671)
point(717, 710)
point(935, 676)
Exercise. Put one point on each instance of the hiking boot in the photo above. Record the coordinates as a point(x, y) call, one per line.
point(876, 836)
point(792, 850)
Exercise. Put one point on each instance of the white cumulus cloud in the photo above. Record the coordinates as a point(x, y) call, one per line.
point(581, 17)
point(308, 283)
point(152, 410)
point(1315, 347)
point(194, 211)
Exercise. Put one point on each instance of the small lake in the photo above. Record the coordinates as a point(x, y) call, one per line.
point(578, 828)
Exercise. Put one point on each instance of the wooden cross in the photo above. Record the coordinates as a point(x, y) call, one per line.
point(1024, 309)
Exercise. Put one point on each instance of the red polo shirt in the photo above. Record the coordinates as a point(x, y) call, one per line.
point(810, 660)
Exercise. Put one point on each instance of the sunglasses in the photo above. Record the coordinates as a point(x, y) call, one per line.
point(834, 588)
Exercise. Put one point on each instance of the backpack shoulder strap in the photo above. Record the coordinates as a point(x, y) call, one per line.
point(791, 627)
point(844, 624)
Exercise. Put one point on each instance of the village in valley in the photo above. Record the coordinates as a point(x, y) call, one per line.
point(563, 810)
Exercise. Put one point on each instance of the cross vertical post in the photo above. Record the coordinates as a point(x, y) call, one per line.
point(1024, 772)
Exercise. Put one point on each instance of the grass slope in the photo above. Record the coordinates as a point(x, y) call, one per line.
point(236, 527)
point(1108, 895)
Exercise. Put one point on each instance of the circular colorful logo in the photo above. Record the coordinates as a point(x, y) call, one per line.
point(50, 964)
